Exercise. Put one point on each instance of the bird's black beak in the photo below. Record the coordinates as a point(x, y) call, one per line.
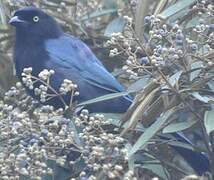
point(15, 20)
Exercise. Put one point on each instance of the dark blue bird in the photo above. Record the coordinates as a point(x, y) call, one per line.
point(41, 44)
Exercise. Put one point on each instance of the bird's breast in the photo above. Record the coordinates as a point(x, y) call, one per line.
point(29, 56)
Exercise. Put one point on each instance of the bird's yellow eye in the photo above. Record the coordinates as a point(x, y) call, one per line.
point(35, 19)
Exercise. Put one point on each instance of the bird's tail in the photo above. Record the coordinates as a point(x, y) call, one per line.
point(197, 160)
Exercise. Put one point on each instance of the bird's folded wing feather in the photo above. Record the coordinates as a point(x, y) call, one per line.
point(71, 53)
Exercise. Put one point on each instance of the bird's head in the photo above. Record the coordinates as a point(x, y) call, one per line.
point(35, 23)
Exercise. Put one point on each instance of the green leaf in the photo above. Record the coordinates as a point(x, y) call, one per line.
point(109, 4)
point(211, 85)
point(209, 121)
point(151, 132)
point(98, 13)
point(181, 144)
point(174, 127)
point(195, 73)
point(157, 169)
point(131, 159)
point(115, 26)
point(139, 84)
point(173, 79)
point(173, 141)
point(160, 6)
point(202, 98)
point(176, 8)
point(104, 98)
point(110, 96)
point(3, 19)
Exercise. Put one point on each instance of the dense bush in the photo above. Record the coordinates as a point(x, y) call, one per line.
point(162, 51)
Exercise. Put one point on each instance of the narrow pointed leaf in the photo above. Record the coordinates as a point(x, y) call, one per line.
point(151, 132)
point(98, 13)
point(209, 121)
point(138, 85)
point(115, 26)
point(173, 79)
point(176, 8)
point(174, 127)
point(104, 98)
point(202, 98)
point(195, 65)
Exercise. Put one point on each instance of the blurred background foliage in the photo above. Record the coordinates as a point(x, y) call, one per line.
point(177, 93)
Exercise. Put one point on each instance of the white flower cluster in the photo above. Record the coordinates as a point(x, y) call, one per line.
point(68, 86)
point(45, 74)
point(100, 146)
point(41, 85)
point(42, 92)
point(26, 77)
point(29, 141)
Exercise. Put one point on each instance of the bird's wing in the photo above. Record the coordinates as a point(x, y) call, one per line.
point(72, 53)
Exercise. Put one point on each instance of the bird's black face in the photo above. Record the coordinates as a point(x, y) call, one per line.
point(27, 17)
point(34, 22)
